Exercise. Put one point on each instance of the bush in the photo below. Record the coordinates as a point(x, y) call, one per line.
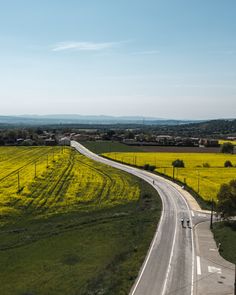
point(227, 148)
point(178, 163)
point(228, 164)
point(149, 167)
point(206, 165)
point(227, 199)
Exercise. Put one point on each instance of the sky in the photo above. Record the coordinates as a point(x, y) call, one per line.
point(160, 58)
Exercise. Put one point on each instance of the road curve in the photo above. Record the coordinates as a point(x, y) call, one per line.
point(169, 264)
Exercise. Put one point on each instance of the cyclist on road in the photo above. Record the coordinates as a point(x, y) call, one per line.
point(188, 222)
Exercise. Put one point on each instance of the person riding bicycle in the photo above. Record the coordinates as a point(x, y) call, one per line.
point(188, 222)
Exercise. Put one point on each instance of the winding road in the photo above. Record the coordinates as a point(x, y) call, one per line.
point(171, 266)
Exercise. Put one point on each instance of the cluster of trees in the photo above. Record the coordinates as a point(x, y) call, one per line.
point(149, 167)
point(227, 148)
point(226, 205)
point(11, 136)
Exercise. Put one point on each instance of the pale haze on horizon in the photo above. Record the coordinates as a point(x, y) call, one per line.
point(166, 59)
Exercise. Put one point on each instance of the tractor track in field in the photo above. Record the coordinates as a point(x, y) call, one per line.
point(105, 177)
point(50, 190)
point(40, 189)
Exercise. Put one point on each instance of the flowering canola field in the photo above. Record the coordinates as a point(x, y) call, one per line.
point(226, 141)
point(204, 180)
point(48, 180)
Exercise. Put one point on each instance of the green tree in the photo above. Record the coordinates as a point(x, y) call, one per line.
point(228, 164)
point(178, 163)
point(227, 148)
point(226, 205)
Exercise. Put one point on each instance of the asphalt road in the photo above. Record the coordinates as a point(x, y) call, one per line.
point(169, 265)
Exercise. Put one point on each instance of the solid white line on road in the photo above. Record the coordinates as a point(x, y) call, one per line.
point(192, 213)
point(199, 271)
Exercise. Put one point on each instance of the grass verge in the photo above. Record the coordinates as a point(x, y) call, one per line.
point(107, 146)
point(225, 233)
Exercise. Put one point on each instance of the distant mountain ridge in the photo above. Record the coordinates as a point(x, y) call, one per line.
point(88, 119)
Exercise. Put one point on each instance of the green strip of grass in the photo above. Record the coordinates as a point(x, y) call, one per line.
point(100, 147)
point(97, 252)
point(225, 233)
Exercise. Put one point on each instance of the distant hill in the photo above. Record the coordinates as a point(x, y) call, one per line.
point(213, 128)
point(81, 119)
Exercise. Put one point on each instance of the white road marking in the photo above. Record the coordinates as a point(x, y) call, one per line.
point(214, 269)
point(199, 271)
point(192, 213)
point(211, 249)
point(201, 215)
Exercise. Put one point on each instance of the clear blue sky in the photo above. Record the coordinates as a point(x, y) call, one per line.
point(168, 58)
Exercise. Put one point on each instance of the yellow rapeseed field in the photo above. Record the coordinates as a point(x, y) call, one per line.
point(48, 180)
point(230, 141)
point(204, 180)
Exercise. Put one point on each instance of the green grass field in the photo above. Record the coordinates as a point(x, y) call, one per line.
point(71, 226)
point(225, 233)
point(100, 147)
point(205, 181)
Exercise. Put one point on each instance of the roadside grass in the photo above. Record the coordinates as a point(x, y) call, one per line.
point(225, 233)
point(107, 146)
point(79, 228)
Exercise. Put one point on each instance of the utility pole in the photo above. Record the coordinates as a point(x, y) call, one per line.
point(198, 182)
point(35, 169)
point(235, 280)
point(211, 223)
point(18, 180)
